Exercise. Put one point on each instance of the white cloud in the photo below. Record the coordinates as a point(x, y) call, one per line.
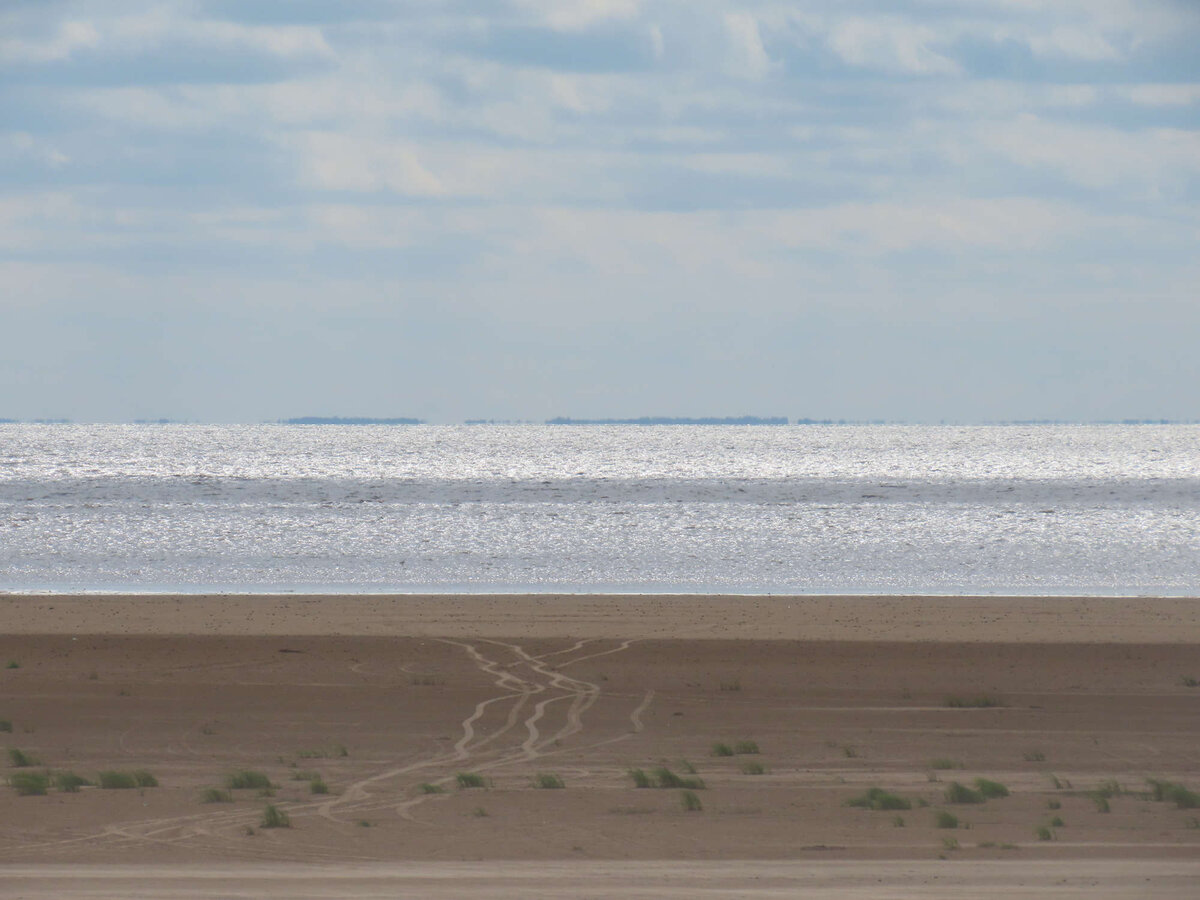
point(890, 45)
point(576, 15)
point(337, 162)
point(1162, 94)
point(747, 56)
point(69, 37)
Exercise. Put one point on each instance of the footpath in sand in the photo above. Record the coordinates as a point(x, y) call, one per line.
point(391, 735)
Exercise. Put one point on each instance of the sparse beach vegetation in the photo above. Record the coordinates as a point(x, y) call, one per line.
point(247, 779)
point(878, 798)
point(960, 793)
point(547, 781)
point(690, 802)
point(943, 819)
point(753, 768)
point(29, 784)
point(467, 780)
point(69, 782)
point(990, 790)
point(215, 795)
point(19, 759)
point(274, 817)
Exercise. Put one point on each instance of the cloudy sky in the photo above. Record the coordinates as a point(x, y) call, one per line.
point(941, 209)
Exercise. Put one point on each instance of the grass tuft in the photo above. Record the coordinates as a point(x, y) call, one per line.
point(215, 795)
point(547, 781)
point(665, 778)
point(878, 798)
point(943, 763)
point(144, 779)
point(979, 701)
point(990, 789)
point(690, 802)
point(945, 819)
point(13, 664)
point(742, 747)
point(274, 817)
point(1169, 792)
point(116, 781)
point(29, 784)
point(640, 778)
point(470, 780)
point(1043, 833)
point(5, 726)
point(1057, 822)
point(247, 779)
point(1053, 804)
point(19, 759)
point(959, 793)
point(69, 782)
point(1035, 756)
point(317, 786)
point(719, 749)
point(753, 768)
point(428, 788)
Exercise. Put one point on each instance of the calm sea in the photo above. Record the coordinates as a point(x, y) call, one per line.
point(848, 509)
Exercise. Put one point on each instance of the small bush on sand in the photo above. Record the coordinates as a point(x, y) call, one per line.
point(753, 768)
point(274, 817)
point(690, 802)
point(215, 795)
point(317, 786)
point(29, 784)
point(640, 778)
point(428, 788)
point(1035, 756)
point(943, 763)
point(247, 779)
point(665, 778)
point(144, 779)
point(5, 726)
point(19, 759)
point(990, 789)
point(745, 747)
point(470, 780)
point(547, 781)
point(979, 701)
point(116, 781)
point(1057, 822)
point(878, 798)
point(69, 782)
point(1169, 792)
point(944, 819)
point(959, 793)
point(719, 749)
point(1043, 833)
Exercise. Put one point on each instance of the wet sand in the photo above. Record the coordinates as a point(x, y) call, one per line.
point(1070, 703)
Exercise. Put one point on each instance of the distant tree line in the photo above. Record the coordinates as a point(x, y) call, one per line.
point(673, 420)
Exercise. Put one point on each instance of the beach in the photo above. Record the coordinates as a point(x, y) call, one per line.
point(491, 744)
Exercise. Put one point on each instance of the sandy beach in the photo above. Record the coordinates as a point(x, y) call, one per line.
point(416, 745)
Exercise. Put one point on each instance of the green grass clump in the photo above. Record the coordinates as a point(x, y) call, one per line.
point(428, 788)
point(274, 817)
point(1188, 681)
point(13, 664)
point(944, 819)
point(1169, 792)
point(1102, 804)
point(753, 768)
point(1035, 756)
point(720, 749)
point(69, 782)
point(690, 802)
point(665, 778)
point(745, 747)
point(317, 786)
point(1043, 833)
point(215, 795)
point(470, 780)
point(959, 793)
point(117, 781)
point(979, 701)
point(943, 763)
point(547, 781)
point(878, 798)
point(1057, 822)
point(1107, 789)
point(19, 759)
point(1053, 804)
point(247, 779)
point(640, 778)
point(144, 779)
point(29, 784)
point(990, 789)
point(5, 726)
point(300, 775)
point(897, 821)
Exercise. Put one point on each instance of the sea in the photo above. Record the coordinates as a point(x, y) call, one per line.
point(1025, 510)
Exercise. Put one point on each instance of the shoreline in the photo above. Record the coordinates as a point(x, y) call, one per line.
point(808, 617)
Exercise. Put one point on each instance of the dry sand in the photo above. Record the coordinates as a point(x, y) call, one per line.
point(381, 695)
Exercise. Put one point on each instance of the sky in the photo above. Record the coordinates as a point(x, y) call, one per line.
point(936, 210)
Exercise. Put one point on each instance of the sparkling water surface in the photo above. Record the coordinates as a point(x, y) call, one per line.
point(781, 509)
